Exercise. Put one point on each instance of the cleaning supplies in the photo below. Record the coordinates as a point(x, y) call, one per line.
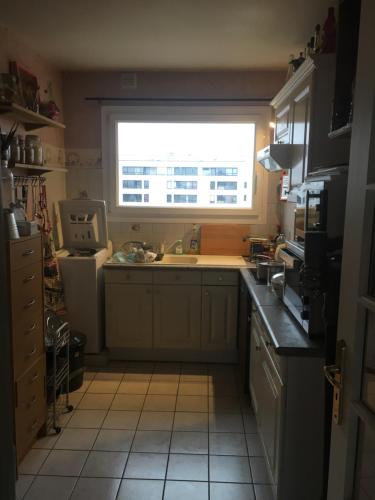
point(194, 244)
point(179, 250)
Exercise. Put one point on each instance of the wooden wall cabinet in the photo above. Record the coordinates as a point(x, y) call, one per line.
point(27, 330)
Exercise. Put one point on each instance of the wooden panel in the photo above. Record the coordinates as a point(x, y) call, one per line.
point(25, 251)
point(166, 277)
point(220, 278)
point(25, 282)
point(28, 342)
point(127, 276)
point(224, 239)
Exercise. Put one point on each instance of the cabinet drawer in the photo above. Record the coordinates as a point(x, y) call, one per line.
point(220, 278)
point(25, 252)
point(29, 304)
point(28, 342)
point(26, 283)
point(127, 276)
point(31, 385)
point(167, 277)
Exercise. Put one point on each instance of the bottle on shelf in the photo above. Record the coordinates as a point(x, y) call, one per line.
point(329, 33)
point(179, 250)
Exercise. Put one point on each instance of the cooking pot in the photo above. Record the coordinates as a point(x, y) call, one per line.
point(266, 269)
point(277, 283)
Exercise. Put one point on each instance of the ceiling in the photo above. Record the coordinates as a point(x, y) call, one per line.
point(166, 34)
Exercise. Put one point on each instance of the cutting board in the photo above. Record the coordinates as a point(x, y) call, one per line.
point(224, 239)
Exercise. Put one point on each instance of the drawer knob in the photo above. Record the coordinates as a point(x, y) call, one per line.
point(31, 353)
point(220, 278)
point(206, 294)
point(29, 278)
point(28, 252)
point(31, 329)
point(30, 303)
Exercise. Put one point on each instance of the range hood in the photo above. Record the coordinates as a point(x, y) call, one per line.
point(278, 156)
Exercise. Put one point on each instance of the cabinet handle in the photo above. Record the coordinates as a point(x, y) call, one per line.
point(32, 352)
point(28, 252)
point(31, 329)
point(30, 303)
point(220, 278)
point(33, 401)
point(35, 377)
point(31, 277)
point(34, 424)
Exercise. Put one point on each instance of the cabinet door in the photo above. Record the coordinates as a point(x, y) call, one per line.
point(244, 335)
point(282, 130)
point(219, 317)
point(177, 316)
point(301, 127)
point(255, 366)
point(128, 315)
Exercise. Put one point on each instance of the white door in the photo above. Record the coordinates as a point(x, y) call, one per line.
point(352, 460)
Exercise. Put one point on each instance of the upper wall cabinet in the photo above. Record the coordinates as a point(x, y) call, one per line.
point(303, 110)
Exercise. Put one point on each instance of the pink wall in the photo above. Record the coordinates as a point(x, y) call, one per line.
point(83, 117)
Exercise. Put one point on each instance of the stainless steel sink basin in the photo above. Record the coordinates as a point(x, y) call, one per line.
point(179, 259)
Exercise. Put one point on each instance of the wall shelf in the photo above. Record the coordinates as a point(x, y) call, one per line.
point(29, 119)
point(340, 132)
point(39, 169)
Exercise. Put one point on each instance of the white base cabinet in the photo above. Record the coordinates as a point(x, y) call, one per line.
point(168, 310)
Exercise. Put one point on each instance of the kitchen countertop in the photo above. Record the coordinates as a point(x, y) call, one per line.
point(203, 261)
point(287, 336)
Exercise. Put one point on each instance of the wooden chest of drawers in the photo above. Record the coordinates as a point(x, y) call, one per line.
point(27, 319)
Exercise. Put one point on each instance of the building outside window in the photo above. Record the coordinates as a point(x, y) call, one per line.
point(132, 184)
point(231, 186)
point(132, 198)
point(227, 199)
point(185, 198)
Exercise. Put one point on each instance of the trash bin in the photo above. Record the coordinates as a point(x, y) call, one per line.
point(76, 360)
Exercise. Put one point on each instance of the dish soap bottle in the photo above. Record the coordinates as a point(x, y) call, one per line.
point(194, 245)
point(178, 248)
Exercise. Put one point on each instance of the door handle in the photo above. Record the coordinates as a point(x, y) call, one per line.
point(31, 303)
point(335, 376)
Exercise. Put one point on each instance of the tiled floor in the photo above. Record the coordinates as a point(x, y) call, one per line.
point(151, 431)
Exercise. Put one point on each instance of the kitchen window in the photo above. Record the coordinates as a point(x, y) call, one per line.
point(170, 149)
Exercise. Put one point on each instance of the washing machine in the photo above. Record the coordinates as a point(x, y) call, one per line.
point(85, 249)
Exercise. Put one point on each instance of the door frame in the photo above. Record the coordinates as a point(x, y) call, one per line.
point(356, 263)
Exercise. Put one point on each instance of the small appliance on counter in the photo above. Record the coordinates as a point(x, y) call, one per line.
point(86, 249)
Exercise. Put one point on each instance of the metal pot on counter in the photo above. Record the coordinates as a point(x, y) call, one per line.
point(267, 268)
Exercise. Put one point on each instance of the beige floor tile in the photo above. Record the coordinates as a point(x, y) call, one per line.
point(121, 420)
point(189, 442)
point(114, 440)
point(133, 387)
point(89, 488)
point(105, 464)
point(231, 491)
point(76, 439)
point(224, 404)
point(89, 375)
point(259, 470)
point(194, 377)
point(146, 466)
point(103, 386)
point(254, 445)
point(95, 401)
point(137, 377)
point(151, 441)
point(223, 443)
point(185, 490)
point(250, 423)
point(23, 483)
point(229, 469)
point(138, 489)
point(159, 402)
point(75, 398)
point(87, 419)
point(128, 402)
point(33, 461)
point(225, 422)
point(84, 386)
point(193, 389)
point(163, 387)
point(188, 467)
point(64, 463)
point(192, 403)
point(263, 492)
point(51, 487)
point(47, 442)
point(156, 421)
point(191, 421)
point(64, 418)
point(165, 377)
point(109, 376)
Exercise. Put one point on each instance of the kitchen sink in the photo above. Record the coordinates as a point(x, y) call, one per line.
point(179, 259)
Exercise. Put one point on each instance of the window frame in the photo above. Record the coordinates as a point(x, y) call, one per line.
point(182, 113)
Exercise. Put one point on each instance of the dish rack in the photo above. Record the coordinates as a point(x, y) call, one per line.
point(57, 346)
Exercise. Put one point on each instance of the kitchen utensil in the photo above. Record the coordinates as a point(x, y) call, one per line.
point(266, 269)
point(277, 284)
point(11, 223)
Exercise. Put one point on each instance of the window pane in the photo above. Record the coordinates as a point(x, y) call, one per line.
point(193, 157)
